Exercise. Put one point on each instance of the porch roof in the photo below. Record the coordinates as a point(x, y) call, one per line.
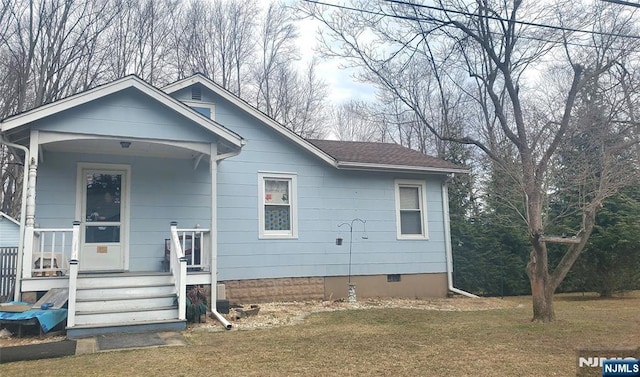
point(20, 121)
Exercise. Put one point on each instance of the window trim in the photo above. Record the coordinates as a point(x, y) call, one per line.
point(293, 205)
point(209, 105)
point(421, 185)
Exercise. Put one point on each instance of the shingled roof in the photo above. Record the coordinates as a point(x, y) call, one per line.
point(383, 156)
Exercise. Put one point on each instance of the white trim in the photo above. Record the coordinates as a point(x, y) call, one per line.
point(126, 204)
point(209, 105)
point(113, 87)
point(292, 136)
point(47, 137)
point(293, 205)
point(385, 167)
point(421, 185)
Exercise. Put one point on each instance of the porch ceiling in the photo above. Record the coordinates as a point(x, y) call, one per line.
point(113, 147)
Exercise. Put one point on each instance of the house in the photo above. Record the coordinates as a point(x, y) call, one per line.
point(9, 231)
point(137, 192)
point(9, 235)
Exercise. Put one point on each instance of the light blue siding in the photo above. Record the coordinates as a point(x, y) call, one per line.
point(326, 197)
point(162, 190)
point(9, 233)
point(128, 113)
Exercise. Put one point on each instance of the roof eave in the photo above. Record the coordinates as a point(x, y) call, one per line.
point(113, 87)
point(345, 165)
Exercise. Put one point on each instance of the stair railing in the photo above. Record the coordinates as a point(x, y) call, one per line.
point(73, 274)
point(178, 266)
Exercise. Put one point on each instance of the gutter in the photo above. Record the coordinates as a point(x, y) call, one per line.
point(447, 239)
point(23, 208)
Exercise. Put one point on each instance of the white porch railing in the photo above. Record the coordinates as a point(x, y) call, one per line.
point(51, 251)
point(195, 244)
point(178, 267)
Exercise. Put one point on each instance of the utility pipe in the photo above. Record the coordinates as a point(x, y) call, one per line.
point(447, 239)
point(23, 209)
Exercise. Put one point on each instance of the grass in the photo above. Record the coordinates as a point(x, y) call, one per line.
point(380, 342)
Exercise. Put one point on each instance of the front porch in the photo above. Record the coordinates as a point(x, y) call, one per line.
point(52, 250)
point(107, 302)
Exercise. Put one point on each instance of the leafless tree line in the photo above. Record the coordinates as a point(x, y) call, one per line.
point(50, 49)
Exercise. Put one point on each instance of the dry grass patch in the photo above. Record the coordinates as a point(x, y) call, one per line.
point(376, 340)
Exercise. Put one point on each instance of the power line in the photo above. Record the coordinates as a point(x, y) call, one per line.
point(621, 2)
point(446, 10)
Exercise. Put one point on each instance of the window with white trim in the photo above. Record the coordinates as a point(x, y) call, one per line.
point(207, 109)
point(411, 209)
point(277, 200)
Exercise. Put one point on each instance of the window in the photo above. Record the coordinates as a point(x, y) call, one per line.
point(207, 109)
point(277, 212)
point(410, 209)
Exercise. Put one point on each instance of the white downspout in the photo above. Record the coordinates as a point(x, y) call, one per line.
point(215, 158)
point(23, 209)
point(447, 239)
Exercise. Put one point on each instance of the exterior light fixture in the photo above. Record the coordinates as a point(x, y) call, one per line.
point(125, 144)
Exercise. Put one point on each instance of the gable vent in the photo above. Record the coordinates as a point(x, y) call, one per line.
point(196, 93)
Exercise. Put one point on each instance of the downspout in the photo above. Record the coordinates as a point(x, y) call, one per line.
point(215, 158)
point(447, 239)
point(23, 209)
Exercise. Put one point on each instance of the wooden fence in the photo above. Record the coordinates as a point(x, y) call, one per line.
point(8, 265)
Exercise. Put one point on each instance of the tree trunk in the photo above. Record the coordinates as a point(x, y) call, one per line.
point(541, 286)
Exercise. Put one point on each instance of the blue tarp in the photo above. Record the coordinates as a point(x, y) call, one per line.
point(48, 319)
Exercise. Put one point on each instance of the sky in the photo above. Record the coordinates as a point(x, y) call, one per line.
point(342, 87)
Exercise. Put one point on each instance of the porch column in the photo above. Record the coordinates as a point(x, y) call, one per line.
point(213, 164)
point(30, 210)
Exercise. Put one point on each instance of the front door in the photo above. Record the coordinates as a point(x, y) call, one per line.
point(104, 224)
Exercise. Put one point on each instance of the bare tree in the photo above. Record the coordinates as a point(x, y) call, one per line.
point(502, 47)
point(352, 121)
point(295, 97)
point(137, 40)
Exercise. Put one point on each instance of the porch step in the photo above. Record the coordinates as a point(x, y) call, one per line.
point(119, 291)
point(118, 303)
point(116, 317)
point(123, 280)
point(84, 331)
point(124, 299)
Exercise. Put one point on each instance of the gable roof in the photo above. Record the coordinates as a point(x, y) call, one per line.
point(2, 214)
point(199, 78)
point(383, 156)
point(340, 154)
point(130, 81)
